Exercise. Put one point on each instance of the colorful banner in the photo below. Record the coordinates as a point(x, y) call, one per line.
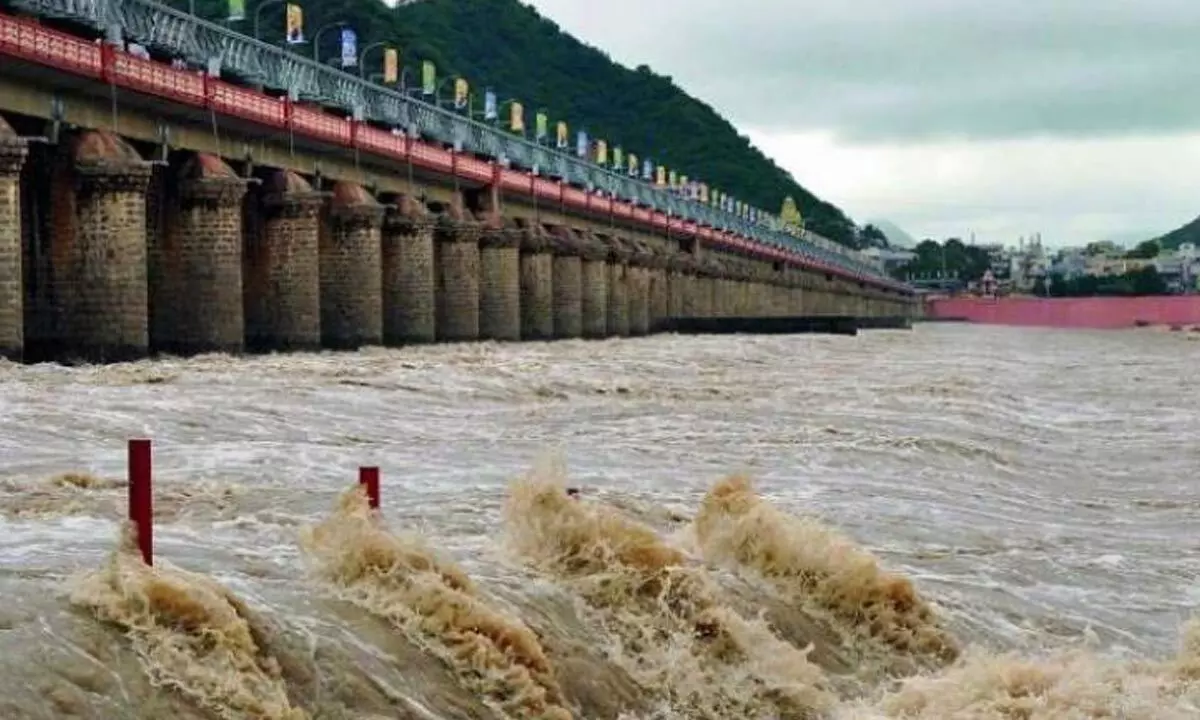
point(236, 10)
point(672, 179)
point(295, 25)
point(660, 178)
point(461, 93)
point(490, 110)
point(542, 124)
point(704, 193)
point(647, 169)
point(601, 152)
point(633, 165)
point(683, 182)
point(391, 65)
point(428, 77)
point(619, 159)
point(562, 135)
point(349, 47)
point(581, 144)
point(516, 117)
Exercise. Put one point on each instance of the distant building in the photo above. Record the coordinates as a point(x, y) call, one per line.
point(890, 258)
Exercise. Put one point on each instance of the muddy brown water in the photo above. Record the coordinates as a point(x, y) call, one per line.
point(953, 522)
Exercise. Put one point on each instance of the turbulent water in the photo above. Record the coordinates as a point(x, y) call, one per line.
point(953, 522)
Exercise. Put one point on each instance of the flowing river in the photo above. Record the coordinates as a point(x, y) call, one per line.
point(954, 522)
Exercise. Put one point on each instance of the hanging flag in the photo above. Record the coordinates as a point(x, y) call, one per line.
point(633, 165)
point(490, 111)
point(391, 65)
point(647, 169)
point(541, 123)
point(428, 77)
point(236, 10)
point(516, 117)
point(618, 159)
point(581, 144)
point(563, 135)
point(349, 47)
point(295, 24)
point(661, 176)
point(683, 182)
point(704, 193)
point(461, 92)
point(672, 180)
point(601, 152)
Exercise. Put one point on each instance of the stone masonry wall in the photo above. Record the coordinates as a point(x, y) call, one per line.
point(457, 273)
point(351, 269)
point(101, 271)
point(12, 293)
point(409, 314)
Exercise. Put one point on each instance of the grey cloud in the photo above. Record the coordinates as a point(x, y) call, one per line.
point(918, 70)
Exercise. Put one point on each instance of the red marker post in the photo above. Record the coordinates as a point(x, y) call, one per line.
point(141, 497)
point(368, 477)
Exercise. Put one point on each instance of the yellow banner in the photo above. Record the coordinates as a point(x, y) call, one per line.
point(633, 164)
point(391, 65)
point(562, 135)
point(516, 118)
point(461, 91)
point(704, 193)
point(295, 24)
point(661, 176)
point(601, 152)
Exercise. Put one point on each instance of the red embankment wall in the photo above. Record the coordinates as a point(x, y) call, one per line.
point(1091, 312)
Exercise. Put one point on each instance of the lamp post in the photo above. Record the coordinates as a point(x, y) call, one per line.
point(317, 38)
point(362, 57)
point(258, 12)
point(437, 91)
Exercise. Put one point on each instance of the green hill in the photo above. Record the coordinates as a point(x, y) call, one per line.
point(1175, 238)
point(510, 47)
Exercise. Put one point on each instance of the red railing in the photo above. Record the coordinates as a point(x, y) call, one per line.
point(380, 142)
point(30, 41)
point(154, 78)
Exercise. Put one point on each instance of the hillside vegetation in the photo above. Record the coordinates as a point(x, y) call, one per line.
point(1175, 238)
point(520, 54)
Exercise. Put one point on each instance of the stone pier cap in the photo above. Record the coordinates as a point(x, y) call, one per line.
point(13, 149)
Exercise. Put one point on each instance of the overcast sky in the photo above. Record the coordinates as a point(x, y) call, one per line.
point(1076, 118)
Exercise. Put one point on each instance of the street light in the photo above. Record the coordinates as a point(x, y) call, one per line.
point(362, 57)
point(317, 38)
point(258, 12)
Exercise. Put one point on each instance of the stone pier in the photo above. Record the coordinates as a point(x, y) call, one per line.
point(196, 262)
point(677, 264)
point(638, 280)
point(690, 285)
point(283, 282)
point(99, 250)
point(537, 282)
point(595, 286)
point(618, 288)
point(707, 271)
point(12, 294)
point(659, 292)
point(351, 270)
point(499, 280)
point(568, 282)
point(457, 270)
point(409, 302)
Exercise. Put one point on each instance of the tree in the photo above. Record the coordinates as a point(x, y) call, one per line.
point(1146, 250)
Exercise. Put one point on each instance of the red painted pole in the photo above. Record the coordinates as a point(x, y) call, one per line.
point(368, 477)
point(141, 497)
